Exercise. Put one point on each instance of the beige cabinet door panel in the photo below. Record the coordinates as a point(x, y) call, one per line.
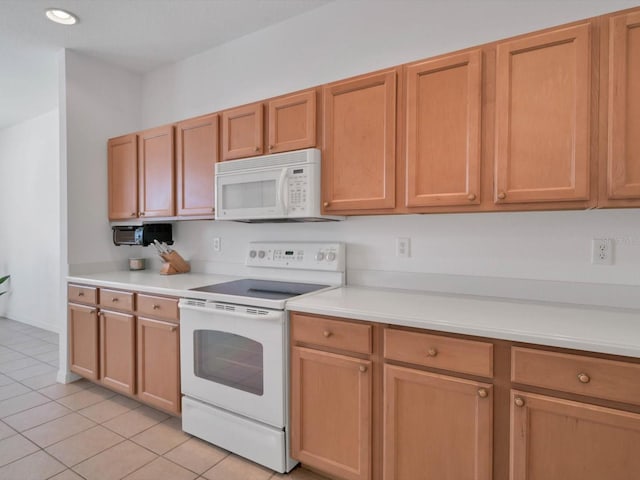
point(443, 110)
point(543, 99)
point(553, 438)
point(122, 158)
point(156, 172)
point(117, 351)
point(83, 341)
point(242, 132)
point(331, 412)
point(436, 426)
point(292, 122)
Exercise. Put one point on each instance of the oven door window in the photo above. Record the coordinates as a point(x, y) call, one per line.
point(229, 359)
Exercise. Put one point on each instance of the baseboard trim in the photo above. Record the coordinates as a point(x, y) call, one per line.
point(66, 377)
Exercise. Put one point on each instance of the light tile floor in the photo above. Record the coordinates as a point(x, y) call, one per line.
point(80, 430)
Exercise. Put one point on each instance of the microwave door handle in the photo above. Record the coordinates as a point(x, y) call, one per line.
point(282, 193)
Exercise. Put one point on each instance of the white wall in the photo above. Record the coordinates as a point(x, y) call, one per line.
point(30, 220)
point(101, 101)
point(476, 253)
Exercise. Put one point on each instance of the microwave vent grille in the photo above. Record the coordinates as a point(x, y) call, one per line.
point(309, 155)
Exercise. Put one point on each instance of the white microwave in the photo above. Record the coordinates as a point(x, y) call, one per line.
point(283, 187)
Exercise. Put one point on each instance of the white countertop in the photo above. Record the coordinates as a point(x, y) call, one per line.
point(583, 328)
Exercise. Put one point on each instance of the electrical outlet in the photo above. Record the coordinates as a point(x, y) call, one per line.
point(403, 247)
point(602, 251)
point(217, 244)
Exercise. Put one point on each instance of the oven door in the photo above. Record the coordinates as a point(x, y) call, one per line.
point(251, 195)
point(234, 357)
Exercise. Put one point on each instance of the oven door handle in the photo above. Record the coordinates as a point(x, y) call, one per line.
point(282, 191)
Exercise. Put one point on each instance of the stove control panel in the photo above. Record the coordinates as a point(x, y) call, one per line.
point(329, 256)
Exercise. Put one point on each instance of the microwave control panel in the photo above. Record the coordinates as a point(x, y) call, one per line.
point(298, 189)
point(302, 255)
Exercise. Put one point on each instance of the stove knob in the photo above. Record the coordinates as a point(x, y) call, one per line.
point(320, 256)
point(252, 254)
point(261, 254)
point(331, 256)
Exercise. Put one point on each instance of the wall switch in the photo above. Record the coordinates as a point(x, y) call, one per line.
point(602, 251)
point(217, 244)
point(403, 247)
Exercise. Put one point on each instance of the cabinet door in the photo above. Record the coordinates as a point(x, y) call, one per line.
point(83, 341)
point(117, 351)
point(242, 132)
point(331, 413)
point(156, 178)
point(359, 160)
point(443, 131)
point(553, 439)
point(122, 160)
point(159, 364)
point(196, 155)
point(436, 426)
point(292, 122)
point(543, 98)
point(623, 162)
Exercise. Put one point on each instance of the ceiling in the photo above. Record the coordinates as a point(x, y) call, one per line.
point(139, 35)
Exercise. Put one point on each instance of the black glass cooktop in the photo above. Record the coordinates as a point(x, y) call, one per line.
point(268, 289)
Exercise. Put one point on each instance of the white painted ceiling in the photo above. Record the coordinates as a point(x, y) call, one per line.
point(139, 35)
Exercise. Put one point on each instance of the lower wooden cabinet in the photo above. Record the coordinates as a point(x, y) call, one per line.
point(436, 426)
point(83, 340)
point(158, 358)
point(331, 412)
point(552, 438)
point(118, 351)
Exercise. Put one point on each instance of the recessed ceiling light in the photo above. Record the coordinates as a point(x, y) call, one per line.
point(61, 16)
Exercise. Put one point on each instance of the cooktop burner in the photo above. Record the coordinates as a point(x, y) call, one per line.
point(267, 289)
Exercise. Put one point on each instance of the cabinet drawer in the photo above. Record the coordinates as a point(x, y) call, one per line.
point(464, 356)
point(82, 294)
point(158, 307)
point(594, 377)
point(344, 335)
point(116, 299)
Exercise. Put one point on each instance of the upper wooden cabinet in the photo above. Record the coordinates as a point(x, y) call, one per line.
point(196, 156)
point(122, 154)
point(155, 172)
point(359, 161)
point(292, 122)
point(442, 141)
point(543, 106)
point(622, 176)
point(290, 125)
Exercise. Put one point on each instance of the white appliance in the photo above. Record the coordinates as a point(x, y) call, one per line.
point(234, 349)
point(283, 187)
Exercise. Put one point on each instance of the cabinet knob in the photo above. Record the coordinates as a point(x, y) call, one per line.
point(326, 204)
point(81, 294)
point(432, 352)
point(519, 401)
point(257, 149)
point(270, 147)
point(156, 306)
point(133, 214)
point(213, 209)
point(584, 378)
point(363, 368)
point(142, 214)
point(115, 300)
point(172, 329)
point(502, 196)
point(93, 311)
point(483, 393)
point(327, 333)
point(471, 197)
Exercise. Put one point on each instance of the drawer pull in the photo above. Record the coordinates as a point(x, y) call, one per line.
point(172, 329)
point(363, 368)
point(432, 352)
point(91, 312)
point(471, 197)
point(519, 401)
point(81, 294)
point(483, 393)
point(327, 333)
point(156, 306)
point(584, 378)
point(502, 196)
point(115, 300)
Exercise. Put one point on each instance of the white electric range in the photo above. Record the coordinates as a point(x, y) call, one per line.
point(234, 349)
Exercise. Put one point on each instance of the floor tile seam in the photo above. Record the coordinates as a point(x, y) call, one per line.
point(64, 438)
point(36, 375)
point(46, 453)
point(39, 424)
point(155, 455)
point(193, 471)
point(89, 457)
point(21, 368)
point(26, 455)
point(16, 395)
point(108, 419)
point(160, 454)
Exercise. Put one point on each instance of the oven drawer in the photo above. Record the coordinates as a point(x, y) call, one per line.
point(83, 294)
point(116, 299)
point(340, 334)
point(457, 355)
point(593, 377)
point(158, 307)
